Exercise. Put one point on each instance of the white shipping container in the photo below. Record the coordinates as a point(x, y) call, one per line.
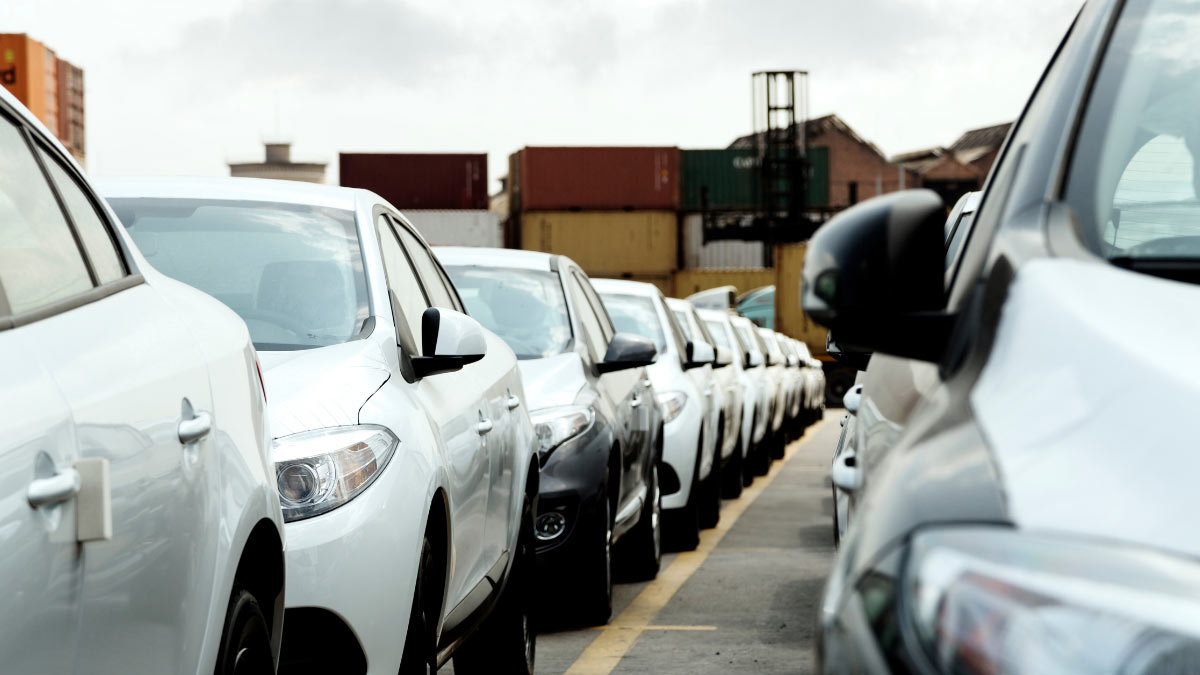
point(716, 254)
point(457, 228)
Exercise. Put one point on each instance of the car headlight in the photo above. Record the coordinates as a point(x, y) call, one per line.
point(672, 403)
point(555, 426)
point(318, 471)
point(1002, 601)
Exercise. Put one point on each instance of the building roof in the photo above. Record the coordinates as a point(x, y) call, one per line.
point(815, 127)
point(985, 137)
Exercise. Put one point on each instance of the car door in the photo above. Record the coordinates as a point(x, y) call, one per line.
point(621, 387)
point(495, 377)
point(138, 387)
point(40, 561)
point(455, 405)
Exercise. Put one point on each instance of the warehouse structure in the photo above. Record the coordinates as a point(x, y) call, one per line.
point(278, 164)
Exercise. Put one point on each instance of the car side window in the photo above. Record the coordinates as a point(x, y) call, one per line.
point(591, 324)
point(91, 226)
point(40, 262)
point(402, 280)
point(606, 324)
point(440, 294)
point(676, 330)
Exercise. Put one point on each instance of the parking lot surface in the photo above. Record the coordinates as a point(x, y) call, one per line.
point(743, 602)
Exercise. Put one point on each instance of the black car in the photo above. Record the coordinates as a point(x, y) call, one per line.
point(594, 411)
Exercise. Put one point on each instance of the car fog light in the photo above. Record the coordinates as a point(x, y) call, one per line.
point(549, 525)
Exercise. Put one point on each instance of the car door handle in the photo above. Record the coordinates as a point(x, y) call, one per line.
point(708, 392)
point(57, 488)
point(513, 402)
point(646, 383)
point(194, 425)
point(845, 472)
point(637, 401)
point(484, 426)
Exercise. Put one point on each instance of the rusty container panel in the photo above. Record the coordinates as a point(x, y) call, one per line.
point(688, 282)
point(606, 243)
point(620, 178)
point(790, 319)
point(419, 181)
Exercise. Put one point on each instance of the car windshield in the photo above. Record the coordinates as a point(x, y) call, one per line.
point(751, 339)
point(718, 333)
point(526, 308)
point(1135, 175)
point(293, 272)
point(635, 314)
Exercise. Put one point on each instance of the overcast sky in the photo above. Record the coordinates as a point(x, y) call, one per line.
point(180, 87)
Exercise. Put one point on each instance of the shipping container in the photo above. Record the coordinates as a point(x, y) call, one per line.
point(720, 180)
point(687, 282)
point(555, 179)
point(720, 253)
point(419, 181)
point(620, 242)
point(457, 228)
point(790, 319)
point(818, 177)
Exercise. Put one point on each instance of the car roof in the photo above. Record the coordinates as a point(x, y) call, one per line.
point(624, 286)
point(710, 314)
point(676, 303)
point(494, 257)
point(246, 189)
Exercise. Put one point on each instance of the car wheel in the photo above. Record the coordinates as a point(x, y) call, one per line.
point(778, 445)
point(507, 643)
point(683, 525)
point(837, 536)
point(641, 549)
point(732, 477)
point(245, 640)
point(420, 644)
point(595, 607)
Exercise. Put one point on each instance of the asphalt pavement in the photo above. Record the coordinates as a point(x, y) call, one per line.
point(744, 602)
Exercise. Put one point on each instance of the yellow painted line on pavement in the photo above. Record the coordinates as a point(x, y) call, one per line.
point(616, 639)
point(682, 628)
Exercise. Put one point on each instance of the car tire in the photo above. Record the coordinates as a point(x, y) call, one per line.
point(837, 536)
point(245, 640)
point(507, 642)
point(595, 602)
point(641, 549)
point(732, 478)
point(778, 445)
point(420, 643)
point(683, 525)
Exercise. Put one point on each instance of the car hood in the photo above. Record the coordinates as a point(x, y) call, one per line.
point(1088, 403)
point(324, 387)
point(552, 381)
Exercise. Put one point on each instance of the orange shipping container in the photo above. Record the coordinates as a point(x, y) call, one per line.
point(30, 72)
point(612, 242)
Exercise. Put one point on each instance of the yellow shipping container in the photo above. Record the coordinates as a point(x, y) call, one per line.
point(790, 319)
point(609, 242)
point(745, 279)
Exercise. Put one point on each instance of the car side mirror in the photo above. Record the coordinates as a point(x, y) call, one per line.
point(699, 353)
point(626, 351)
point(754, 359)
point(875, 274)
point(724, 358)
point(793, 361)
point(856, 359)
point(852, 399)
point(449, 341)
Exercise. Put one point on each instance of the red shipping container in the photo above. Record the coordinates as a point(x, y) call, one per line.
point(597, 178)
point(419, 181)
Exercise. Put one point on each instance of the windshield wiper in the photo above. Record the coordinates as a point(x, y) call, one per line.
point(1186, 270)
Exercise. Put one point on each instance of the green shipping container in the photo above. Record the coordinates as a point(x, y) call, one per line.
point(729, 180)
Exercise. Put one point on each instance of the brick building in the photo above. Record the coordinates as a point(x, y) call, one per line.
point(961, 168)
point(50, 87)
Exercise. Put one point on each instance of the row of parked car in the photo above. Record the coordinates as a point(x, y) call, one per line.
point(237, 406)
point(1014, 485)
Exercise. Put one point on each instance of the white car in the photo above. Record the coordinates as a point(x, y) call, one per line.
point(691, 495)
point(741, 392)
point(756, 366)
point(777, 371)
point(141, 531)
point(727, 396)
point(404, 454)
